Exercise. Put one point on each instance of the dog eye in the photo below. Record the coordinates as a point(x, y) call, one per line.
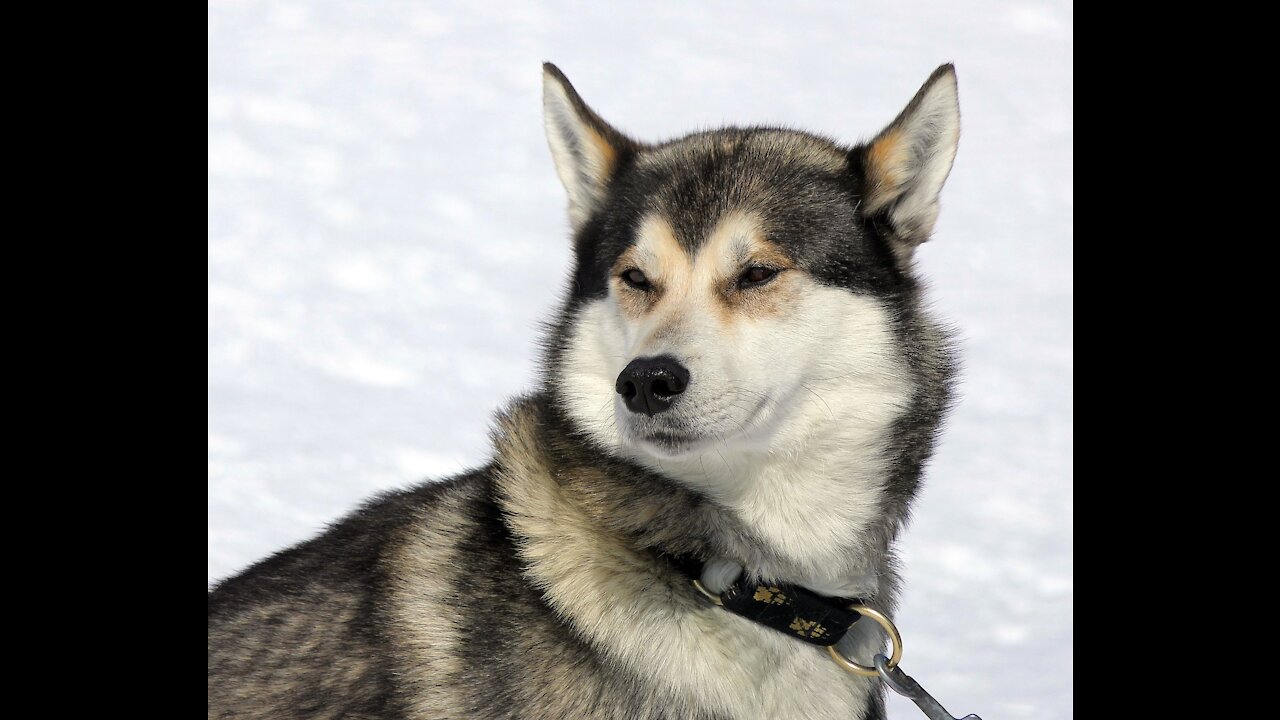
point(756, 275)
point(635, 279)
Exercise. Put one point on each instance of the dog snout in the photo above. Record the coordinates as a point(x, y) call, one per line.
point(649, 385)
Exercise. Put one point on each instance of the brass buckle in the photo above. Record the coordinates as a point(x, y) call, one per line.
point(895, 640)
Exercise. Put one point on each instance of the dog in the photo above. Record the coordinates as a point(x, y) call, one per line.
point(741, 385)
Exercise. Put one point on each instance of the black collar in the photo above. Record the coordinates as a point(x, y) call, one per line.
point(789, 609)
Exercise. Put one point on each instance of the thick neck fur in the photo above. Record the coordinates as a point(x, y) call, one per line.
point(813, 533)
point(589, 532)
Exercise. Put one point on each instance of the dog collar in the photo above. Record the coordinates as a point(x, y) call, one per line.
point(788, 609)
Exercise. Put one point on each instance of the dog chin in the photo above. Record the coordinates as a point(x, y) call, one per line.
point(666, 446)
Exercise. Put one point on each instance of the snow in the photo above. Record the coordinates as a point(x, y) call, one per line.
point(386, 232)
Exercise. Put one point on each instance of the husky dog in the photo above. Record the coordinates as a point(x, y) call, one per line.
point(742, 373)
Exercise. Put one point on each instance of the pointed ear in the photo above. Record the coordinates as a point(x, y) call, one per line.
point(907, 163)
point(587, 152)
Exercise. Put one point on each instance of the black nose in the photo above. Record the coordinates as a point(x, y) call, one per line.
point(648, 385)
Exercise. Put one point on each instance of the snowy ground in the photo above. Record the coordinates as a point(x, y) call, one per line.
point(386, 231)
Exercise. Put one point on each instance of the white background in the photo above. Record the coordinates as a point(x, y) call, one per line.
point(386, 231)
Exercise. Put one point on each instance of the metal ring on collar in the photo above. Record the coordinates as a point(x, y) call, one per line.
point(895, 640)
point(710, 595)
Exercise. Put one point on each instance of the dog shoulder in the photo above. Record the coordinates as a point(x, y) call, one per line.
point(306, 628)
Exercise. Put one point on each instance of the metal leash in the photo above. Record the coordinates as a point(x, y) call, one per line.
point(887, 669)
point(906, 686)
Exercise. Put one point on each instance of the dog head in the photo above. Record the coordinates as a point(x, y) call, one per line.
point(739, 293)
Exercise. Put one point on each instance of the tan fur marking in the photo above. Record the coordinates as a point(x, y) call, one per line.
point(779, 297)
point(723, 259)
point(422, 566)
point(672, 260)
point(659, 256)
point(887, 161)
point(769, 253)
point(707, 283)
point(607, 153)
point(633, 302)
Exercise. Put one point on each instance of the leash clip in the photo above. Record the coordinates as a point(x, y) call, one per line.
point(886, 668)
point(906, 686)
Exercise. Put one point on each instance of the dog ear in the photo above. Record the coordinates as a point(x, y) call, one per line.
point(907, 163)
point(586, 150)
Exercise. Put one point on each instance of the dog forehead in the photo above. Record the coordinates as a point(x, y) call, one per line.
point(775, 180)
point(766, 148)
point(730, 240)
